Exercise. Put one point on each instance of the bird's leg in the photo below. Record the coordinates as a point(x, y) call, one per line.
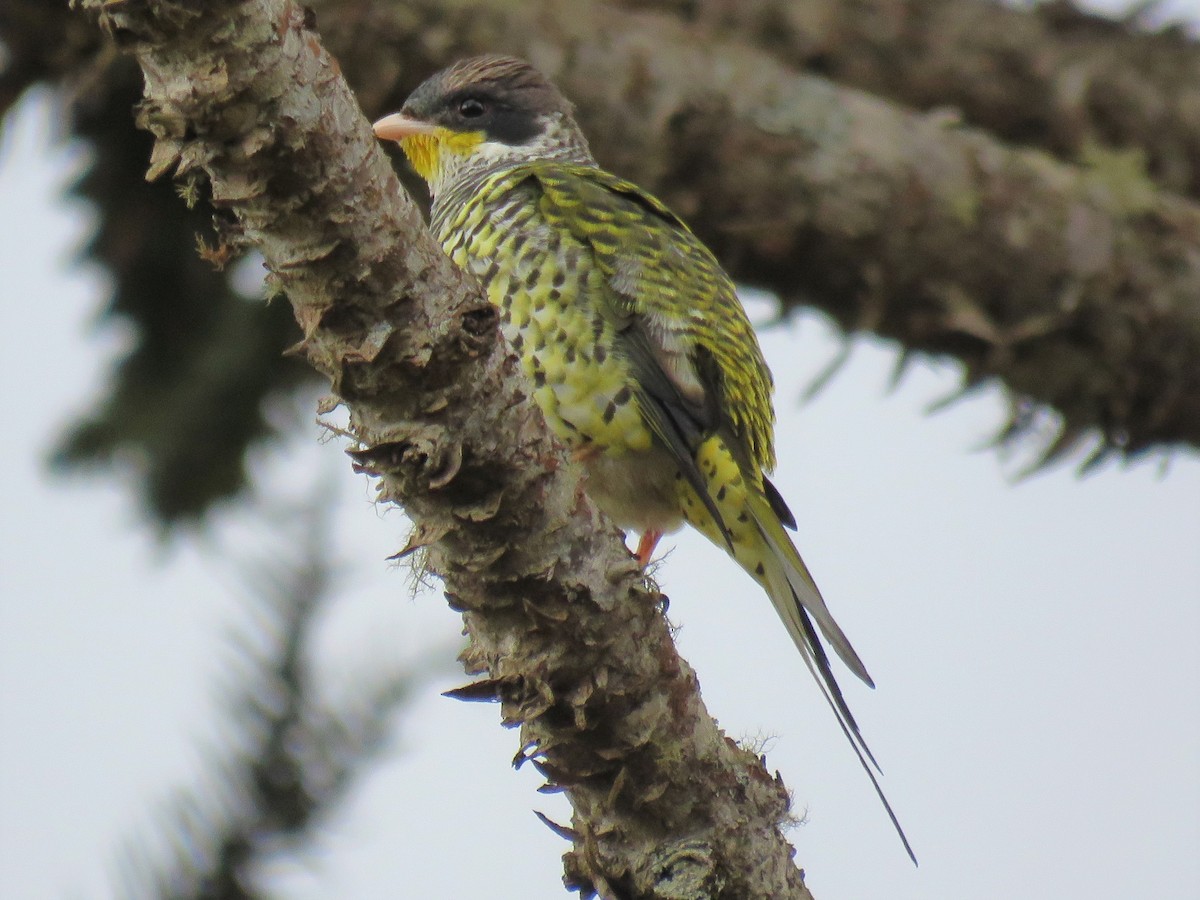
point(646, 545)
point(650, 537)
point(585, 454)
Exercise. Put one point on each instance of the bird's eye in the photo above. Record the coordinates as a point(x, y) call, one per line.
point(471, 108)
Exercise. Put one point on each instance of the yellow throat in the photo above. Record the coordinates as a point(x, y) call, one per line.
point(425, 151)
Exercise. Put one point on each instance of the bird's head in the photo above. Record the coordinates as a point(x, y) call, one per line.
point(482, 114)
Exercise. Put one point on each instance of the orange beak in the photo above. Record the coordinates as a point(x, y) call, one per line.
point(398, 126)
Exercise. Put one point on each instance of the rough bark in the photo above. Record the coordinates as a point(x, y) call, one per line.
point(201, 353)
point(1051, 76)
point(242, 97)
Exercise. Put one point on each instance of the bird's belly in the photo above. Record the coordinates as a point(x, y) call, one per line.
point(588, 403)
point(638, 491)
point(584, 388)
point(550, 294)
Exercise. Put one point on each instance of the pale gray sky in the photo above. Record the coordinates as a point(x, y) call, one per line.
point(1038, 710)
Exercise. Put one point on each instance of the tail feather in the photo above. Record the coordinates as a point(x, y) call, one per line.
point(755, 515)
point(818, 664)
point(795, 596)
point(802, 595)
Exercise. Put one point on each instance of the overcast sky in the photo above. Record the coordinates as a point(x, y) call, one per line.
point(1034, 642)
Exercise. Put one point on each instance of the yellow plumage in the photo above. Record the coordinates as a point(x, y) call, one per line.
point(640, 354)
point(598, 282)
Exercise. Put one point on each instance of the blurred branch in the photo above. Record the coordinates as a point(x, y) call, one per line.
point(189, 397)
point(1050, 75)
point(290, 752)
point(187, 400)
point(39, 42)
point(571, 643)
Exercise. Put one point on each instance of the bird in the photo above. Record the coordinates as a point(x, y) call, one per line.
point(637, 349)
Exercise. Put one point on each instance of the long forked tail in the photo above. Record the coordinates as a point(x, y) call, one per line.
point(795, 596)
point(818, 664)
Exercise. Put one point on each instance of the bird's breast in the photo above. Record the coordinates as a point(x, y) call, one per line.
point(550, 294)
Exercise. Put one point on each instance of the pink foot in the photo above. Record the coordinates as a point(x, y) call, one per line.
point(585, 454)
point(646, 545)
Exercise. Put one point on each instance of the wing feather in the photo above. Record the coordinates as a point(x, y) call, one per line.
point(674, 302)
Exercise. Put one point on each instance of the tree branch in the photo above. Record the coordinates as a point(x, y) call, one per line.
point(202, 353)
point(1074, 286)
point(1052, 76)
point(570, 641)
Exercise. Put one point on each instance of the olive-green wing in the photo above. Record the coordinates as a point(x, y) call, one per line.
point(682, 323)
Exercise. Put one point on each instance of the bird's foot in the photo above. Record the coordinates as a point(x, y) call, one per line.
point(646, 545)
point(585, 454)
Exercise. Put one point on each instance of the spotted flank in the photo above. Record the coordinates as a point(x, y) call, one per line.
point(726, 485)
point(538, 276)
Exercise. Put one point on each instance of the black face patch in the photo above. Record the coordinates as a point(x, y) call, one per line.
point(500, 116)
point(503, 97)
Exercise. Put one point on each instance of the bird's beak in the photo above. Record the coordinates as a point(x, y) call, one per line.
point(398, 126)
